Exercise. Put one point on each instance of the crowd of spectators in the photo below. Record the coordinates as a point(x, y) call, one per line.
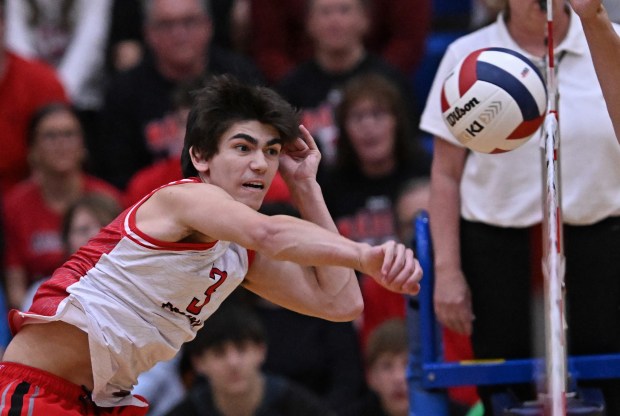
point(94, 97)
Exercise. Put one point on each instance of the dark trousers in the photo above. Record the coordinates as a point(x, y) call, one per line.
point(503, 269)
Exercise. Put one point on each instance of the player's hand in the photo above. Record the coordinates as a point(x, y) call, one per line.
point(393, 266)
point(300, 159)
point(452, 299)
point(586, 8)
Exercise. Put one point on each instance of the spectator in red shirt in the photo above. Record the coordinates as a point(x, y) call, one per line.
point(34, 208)
point(24, 86)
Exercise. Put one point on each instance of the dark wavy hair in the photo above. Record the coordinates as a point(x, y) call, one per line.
point(226, 101)
point(377, 88)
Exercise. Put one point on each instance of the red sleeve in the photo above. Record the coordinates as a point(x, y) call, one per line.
point(50, 89)
point(24, 86)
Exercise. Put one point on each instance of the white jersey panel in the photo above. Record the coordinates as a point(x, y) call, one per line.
point(138, 298)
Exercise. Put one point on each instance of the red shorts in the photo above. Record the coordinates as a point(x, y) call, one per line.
point(29, 391)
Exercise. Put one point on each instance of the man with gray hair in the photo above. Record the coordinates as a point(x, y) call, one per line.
point(138, 110)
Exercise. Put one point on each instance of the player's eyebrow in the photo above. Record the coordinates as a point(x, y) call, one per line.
point(254, 141)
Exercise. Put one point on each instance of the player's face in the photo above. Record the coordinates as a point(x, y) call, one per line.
point(231, 368)
point(372, 131)
point(246, 163)
point(387, 378)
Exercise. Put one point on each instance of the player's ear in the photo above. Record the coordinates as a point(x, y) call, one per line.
point(198, 160)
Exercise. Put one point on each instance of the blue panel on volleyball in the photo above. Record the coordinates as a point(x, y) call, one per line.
point(513, 53)
point(492, 74)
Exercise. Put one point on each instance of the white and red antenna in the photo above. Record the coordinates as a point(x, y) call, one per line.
point(553, 254)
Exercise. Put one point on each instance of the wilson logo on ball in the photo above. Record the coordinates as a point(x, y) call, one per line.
point(494, 100)
point(456, 114)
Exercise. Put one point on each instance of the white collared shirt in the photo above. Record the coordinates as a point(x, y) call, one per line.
point(506, 189)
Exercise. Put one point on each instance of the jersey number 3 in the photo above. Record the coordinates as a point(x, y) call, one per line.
point(219, 276)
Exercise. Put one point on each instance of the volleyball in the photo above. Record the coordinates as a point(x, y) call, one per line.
point(494, 100)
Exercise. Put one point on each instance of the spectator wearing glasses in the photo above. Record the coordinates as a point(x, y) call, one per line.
point(34, 207)
point(138, 118)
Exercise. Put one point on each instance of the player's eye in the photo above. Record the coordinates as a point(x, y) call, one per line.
point(274, 151)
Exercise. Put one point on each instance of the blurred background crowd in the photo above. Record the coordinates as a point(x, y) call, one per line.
point(94, 96)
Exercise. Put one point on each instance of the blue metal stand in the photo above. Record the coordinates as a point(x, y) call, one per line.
point(428, 375)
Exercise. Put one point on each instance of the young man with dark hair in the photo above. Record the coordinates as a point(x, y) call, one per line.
point(147, 282)
point(227, 355)
point(386, 358)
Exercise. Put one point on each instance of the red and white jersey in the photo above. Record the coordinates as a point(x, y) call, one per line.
point(138, 298)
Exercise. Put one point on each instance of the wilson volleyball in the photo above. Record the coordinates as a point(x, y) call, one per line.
point(494, 100)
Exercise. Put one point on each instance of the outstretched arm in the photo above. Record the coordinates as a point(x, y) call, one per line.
point(299, 264)
point(289, 250)
point(604, 45)
point(326, 291)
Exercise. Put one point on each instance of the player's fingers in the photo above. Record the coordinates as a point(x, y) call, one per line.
point(407, 275)
point(411, 275)
point(412, 284)
point(307, 138)
point(398, 263)
point(388, 258)
point(297, 145)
